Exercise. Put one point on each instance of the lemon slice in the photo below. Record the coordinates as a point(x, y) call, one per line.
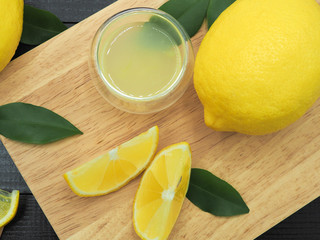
point(116, 168)
point(8, 206)
point(161, 192)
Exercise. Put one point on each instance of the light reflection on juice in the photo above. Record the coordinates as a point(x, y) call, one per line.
point(142, 60)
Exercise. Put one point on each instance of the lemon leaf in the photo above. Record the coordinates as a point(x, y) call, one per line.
point(214, 195)
point(177, 8)
point(33, 124)
point(190, 13)
point(215, 8)
point(39, 26)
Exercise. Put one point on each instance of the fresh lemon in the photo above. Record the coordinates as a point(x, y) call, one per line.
point(258, 67)
point(161, 192)
point(8, 206)
point(11, 15)
point(116, 168)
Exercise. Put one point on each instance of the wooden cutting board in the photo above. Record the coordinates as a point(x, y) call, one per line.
point(276, 174)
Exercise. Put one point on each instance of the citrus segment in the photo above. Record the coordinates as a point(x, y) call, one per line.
point(115, 168)
point(161, 192)
point(8, 206)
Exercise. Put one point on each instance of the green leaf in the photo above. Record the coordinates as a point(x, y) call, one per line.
point(215, 8)
point(213, 195)
point(32, 124)
point(39, 26)
point(177, 8)
point(190, 13)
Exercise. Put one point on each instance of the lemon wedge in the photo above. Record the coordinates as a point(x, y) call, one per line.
point(115, 168)
point(8, 206)
point(161, 192)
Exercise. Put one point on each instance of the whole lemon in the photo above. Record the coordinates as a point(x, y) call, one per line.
point(11, 15)
point(258, 67)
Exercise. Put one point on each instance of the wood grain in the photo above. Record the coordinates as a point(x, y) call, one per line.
point(276, 174)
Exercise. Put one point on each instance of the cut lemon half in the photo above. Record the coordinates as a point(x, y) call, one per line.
point(161, 192)
point(116, 168)
point(8, 206)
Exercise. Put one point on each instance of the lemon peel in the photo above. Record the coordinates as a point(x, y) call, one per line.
point(11, 15)
point(8, 206)
point(162, 191)
point(114, 169)
point(257, 69)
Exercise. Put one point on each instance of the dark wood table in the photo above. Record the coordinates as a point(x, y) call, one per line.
point(31, 223)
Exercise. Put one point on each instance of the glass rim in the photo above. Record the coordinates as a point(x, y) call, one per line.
point(178, 28)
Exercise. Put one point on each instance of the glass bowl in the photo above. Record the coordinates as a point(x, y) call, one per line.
point(141, 60)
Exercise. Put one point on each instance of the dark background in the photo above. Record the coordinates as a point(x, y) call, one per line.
point(31, 223)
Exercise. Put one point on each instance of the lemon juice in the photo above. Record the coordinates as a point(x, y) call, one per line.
point(140, 60)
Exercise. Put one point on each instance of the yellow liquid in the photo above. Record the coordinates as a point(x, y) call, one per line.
point(140, 60)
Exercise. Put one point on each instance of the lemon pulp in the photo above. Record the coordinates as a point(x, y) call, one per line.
point(8, 206)
point(161, 192)
point(115, 168)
